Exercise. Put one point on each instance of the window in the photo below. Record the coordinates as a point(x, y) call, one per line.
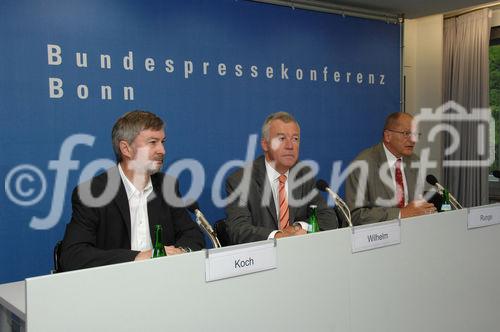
point(495, 93)
point(494, 55)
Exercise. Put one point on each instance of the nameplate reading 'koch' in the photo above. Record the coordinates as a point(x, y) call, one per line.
point(243, 259)
point(483, 216)
point(374, 236)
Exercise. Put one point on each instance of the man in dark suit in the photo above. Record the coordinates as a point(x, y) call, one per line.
point(114, 213)
point(385, 183)
point(270, 198)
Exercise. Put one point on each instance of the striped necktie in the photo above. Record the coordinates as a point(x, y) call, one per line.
point(283, 201)
point(400, 189)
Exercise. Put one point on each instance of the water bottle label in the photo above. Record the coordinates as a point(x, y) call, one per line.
point(446, 207)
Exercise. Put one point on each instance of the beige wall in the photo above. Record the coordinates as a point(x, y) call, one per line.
point(495, 18)
point(422, 68)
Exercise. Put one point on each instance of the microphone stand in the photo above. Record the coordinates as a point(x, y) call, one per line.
point(342, 206)
point(454, 202)
point(200, 220)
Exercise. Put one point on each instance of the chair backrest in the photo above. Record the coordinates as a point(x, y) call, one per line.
point(220, 228)
point(56, 255)
point(342, 222)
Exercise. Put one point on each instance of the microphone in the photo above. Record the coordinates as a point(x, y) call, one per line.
point(323, 186)
point(204, 224)
point(496, 174)
point(431, 179)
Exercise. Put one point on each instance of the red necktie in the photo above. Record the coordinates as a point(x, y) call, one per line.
point(283, 202)
point(400, 188)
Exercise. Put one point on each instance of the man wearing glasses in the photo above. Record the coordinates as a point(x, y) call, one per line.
point(385, 183)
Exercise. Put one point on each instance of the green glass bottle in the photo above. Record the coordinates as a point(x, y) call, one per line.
point(158, 249)
point(446, 206)
point(313, 220)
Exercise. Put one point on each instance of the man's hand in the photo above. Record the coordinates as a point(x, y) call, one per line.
point(417, 208)
point(143, 255)
point(290, 231)
point(170, 250)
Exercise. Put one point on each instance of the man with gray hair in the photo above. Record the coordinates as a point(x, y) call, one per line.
point(271, 198)
point(114, 214)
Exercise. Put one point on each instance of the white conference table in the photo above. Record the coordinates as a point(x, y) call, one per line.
point(441, 277)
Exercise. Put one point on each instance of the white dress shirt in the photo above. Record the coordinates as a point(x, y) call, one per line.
point(140, 238)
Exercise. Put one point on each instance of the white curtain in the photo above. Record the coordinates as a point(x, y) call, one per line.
point(466, 82)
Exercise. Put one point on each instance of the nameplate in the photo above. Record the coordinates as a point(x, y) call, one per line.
point(483, 216)
point(230, 262)
point(372, 236)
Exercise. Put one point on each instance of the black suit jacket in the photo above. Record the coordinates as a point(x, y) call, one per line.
point(256, 218)
point(101, 235)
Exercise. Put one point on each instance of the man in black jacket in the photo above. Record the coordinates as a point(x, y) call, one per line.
point(114, 213)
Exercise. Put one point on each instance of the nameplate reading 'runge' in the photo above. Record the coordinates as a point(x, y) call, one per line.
point(238, 260)
point(374, 236)
point(483, 216)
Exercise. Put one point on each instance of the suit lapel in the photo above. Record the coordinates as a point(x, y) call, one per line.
point(411, 178)
point(264, 188)
point(154, 205)
point(382, 162)
point(121, 201)
point(292, 212)
point(297, 194)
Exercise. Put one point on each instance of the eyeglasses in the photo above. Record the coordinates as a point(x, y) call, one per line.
point(406, 134)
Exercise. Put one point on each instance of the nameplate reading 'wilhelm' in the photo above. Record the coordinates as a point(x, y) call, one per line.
point(377, 235)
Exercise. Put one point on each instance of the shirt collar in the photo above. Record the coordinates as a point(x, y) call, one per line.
point(129, 186)
point(391, 159)
point(273, 174)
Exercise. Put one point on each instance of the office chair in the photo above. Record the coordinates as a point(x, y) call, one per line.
point(220, 228)
point(342, 221)
point(56, 255)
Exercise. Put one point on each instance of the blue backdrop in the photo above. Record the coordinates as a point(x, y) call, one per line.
point(68, 69)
